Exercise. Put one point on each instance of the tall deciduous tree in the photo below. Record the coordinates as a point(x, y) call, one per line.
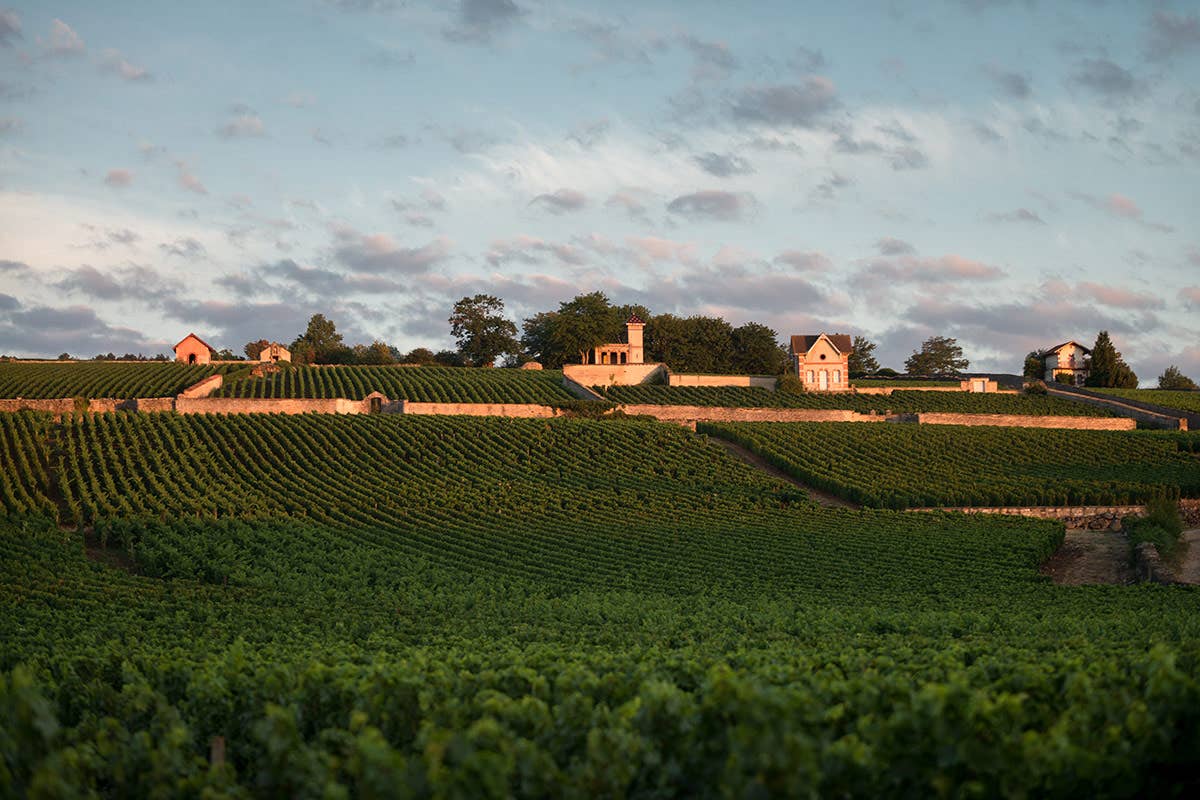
point(1107, 368)
point(254, 349)
point(482, 332)
point(582, 323)
point(1172, 378)
point(320, 343)
point(862, 358)
point(1034, 366)
point(756, 350)
point(939, 355)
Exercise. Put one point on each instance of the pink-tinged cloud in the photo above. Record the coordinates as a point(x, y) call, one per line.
point(1119, 298)
point(1191, 294)
point(912, 269)
point(119, 178)
point(112, 61)
point(63, 41)
point(189, 181)
point(804, 261)
point(10, 27)
point(1122, 206)
point(649, 249)
point(531, 250)
point(242, 126)
point(380, 253)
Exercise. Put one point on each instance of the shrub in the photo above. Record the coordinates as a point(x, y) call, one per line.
point(1161, 526)
point(1036, 387)
point(789, 384)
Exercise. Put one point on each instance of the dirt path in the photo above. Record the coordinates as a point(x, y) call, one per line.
point(1189, 562)
point(758, 462)
point(1088, 557)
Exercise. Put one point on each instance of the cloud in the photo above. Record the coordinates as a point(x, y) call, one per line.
point(797, 105)
point(185, 247)
point(530, 250)
point(723, 166)
point(1018, 215)
point(629, 201)
point(10, 125)
point(563, 201)
point(119, 178)
point(1106, 78)
point(806, 60)
point(394, 141)
point(299, 99)
point(379, 253)
point(894, 247)
point(804, 261)
point(49, 330)
point(134, 281)
point(1172, 34)
point(588, 134)
point(1117, 297)
point(713, 60)
point(243, 125)
point(103, 240)
point(1191, 294)
point(390, 59)
point(712, 204)
point(1014, 84)
point(646, 250)
point(1122, 207)
point(907, 157)
point(828, 188)
point(478, 21)
point(10, 27)
point(929, 270)
point(62, 42)
point(325, 283)
point(189, 181)
point(112, 61)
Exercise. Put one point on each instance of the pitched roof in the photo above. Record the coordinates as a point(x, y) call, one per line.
point(198, 339)
point(840, 341)
point(1058, 347)
point(635, 320)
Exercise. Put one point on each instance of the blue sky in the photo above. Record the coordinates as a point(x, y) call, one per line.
point(1013, 174)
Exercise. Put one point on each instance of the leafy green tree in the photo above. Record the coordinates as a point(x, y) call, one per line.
point(1108, 368)
point(756, 350)
point(377, 353)
point(582, 323)
point(482, 332)
point(320, 343)
point(254, 349)
point(64, 356)
point(939, 355)
point(538, 342)
point(419, 355)
point(1034, 366)
point(1172, 378)
point(862, 358)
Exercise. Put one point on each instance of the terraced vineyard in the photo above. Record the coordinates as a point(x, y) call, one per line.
point(898, 402)
point(1185, 401)
point(101, 379)
point(460, 607)
point(418, 384)
point(907, 466)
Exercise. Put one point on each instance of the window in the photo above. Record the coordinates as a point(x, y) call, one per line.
point(837, 377)
point(810, 377)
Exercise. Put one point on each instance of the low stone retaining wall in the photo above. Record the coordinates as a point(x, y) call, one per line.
point(99, 405)
point(612, 374)
point(61, 405)
point(205, 387)
point(725, 414)
point(1170, 419)
point(760, 381)
point(1094, 518)
point(235, 405)
point(520, 410)
point(1019, 421)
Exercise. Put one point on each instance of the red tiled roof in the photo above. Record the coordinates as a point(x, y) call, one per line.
point(198, 339)
point(635, 320)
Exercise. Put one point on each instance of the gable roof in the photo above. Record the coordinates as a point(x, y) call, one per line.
point(840, 341)
point(198, 339)
point(1058, 347)
point(634, 320)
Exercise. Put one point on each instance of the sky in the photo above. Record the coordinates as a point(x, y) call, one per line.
point(1011, 174)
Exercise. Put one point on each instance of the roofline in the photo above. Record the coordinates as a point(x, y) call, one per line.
point(197, 338)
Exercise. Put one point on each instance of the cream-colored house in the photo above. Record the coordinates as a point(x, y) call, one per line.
point(1068, 362)
point(822, 361)
point(631, 351)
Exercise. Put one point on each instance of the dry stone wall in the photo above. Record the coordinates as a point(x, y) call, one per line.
point(1019, 421)
point(721, 414)
point(234, 405)
point(760, 381)
point(1095, 518)
point(521, 410)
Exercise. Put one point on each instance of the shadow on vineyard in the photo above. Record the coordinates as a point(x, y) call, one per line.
point(440, 606)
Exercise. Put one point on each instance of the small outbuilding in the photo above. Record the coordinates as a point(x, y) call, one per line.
point(274, 352)
point(822, 361)
point(194, 350)
point(1068, 362)
point(631, 351)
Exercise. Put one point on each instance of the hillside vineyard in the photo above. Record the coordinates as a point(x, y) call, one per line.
point(401, 606)
point(100, 379)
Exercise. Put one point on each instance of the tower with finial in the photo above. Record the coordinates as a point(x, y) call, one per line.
point(633, 335)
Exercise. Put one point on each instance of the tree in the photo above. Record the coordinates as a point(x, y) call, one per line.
point(480, 329)
point(539, 343)
point(1034, 366)
point(418, 355)
point(1108, 369)
point(756, 350)
point(254, 349)
point(64, 356)
point(939, 355)
point(1172, 378)
point(862, 358)
point(225, 354)
point(377, 353)
point(320, 343)
point(582, 323)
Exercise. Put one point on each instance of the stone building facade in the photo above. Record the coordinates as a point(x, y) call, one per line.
point(1068, 362)
point(193, 350)
point(822, 361)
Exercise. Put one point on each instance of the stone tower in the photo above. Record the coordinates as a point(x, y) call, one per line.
point(633, 334)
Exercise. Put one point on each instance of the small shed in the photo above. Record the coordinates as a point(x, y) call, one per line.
point(194, 350)
point(274, 352)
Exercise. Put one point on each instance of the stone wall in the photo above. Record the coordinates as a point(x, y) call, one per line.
point(887, 390)
point(1163, 418)
point(98, 405)
point(204, 387)
point(60, 405)
point(761, 381)
point(722, 414)
point(1096, 518)
point(523, 410)
point(1019, 421)
point(612, 374)
point(237, 405)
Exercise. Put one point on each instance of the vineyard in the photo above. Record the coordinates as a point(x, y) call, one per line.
point(1184, 401)
point(480, 607)
point(417, 384)
point(898, 402)
point(101, 379)
point(903, 466)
